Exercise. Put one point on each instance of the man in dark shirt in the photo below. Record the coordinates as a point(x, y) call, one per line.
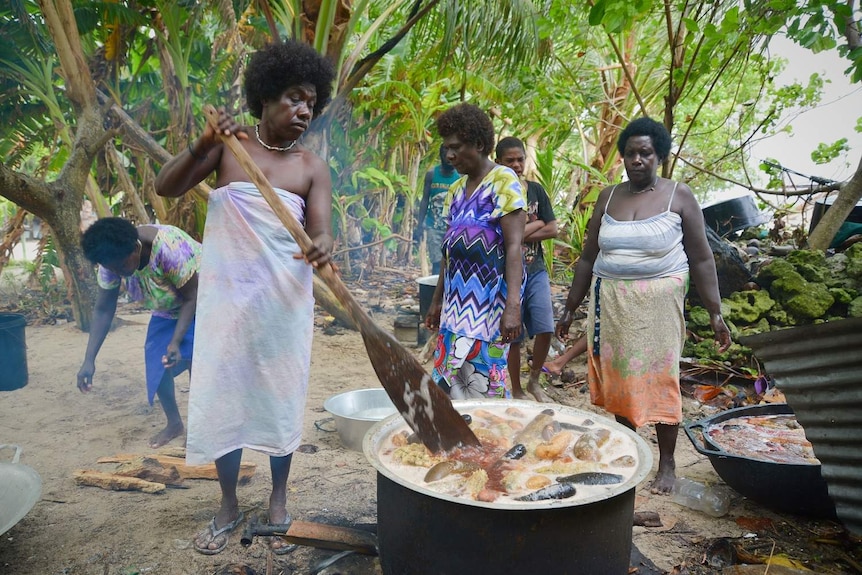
point(537, 311)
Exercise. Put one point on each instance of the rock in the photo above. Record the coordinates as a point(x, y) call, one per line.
point(749, 306)
point(773, 270)
point(790, 284)
point(837, 264)
point(732, 270)
point(813, 303)
point(854, 261)
point(814, 258)
point(699, 317)
point(842, 295)
point(778, 316)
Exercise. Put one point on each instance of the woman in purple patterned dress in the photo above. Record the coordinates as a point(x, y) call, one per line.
point(477, 303)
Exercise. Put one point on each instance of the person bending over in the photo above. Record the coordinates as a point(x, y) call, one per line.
point(159, 266)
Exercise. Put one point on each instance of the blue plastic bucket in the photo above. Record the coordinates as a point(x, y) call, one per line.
point(13, 352)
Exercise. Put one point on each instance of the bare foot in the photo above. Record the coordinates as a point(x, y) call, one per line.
point(519, 394)
point(166, 435)
point(535, 388)
point(664, 480)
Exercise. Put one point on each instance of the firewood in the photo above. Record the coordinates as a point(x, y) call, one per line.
point(150, 469)
point(647, 519)
point(116, 482)
point(173, 451)
point(208, 471)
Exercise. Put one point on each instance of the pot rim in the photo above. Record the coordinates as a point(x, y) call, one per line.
point(381, 430)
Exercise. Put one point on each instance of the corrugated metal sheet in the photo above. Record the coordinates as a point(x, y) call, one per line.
point(819, 370)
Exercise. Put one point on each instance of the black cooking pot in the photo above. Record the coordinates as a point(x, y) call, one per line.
point(422, 532)
point(733, 215)
point(785, 487)
point(820, 207)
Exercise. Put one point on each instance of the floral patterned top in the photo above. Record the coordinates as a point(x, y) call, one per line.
point(174, 259)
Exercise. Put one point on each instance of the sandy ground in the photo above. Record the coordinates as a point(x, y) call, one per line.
point(75, 530)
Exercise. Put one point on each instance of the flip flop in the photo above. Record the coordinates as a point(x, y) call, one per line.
point(214, 532)
point(281, 528)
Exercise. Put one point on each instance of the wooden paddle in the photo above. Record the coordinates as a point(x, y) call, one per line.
point(424, 406)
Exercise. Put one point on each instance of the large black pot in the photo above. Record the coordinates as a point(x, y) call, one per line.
point(820, 207)
point(789, 488)
point(733, 215)
point(422, 532)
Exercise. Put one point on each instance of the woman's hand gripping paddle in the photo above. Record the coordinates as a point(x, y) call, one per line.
point(424, 406)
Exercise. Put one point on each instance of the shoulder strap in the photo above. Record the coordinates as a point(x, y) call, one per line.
point(672, 192)
point(609, 197)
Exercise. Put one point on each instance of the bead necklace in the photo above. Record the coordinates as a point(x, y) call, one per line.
point(267, 146)
point(645, 190)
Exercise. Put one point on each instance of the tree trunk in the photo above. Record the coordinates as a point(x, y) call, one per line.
point(78, 271)
point(58, 204)
point(827, 227)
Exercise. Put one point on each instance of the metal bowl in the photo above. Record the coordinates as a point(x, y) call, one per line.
point(355, 412)
point(20, 489)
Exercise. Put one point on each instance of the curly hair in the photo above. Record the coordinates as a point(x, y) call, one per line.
point(647, 127)
point(508, 143)
point(109, 240)
point(278, 66)
point(470, 124)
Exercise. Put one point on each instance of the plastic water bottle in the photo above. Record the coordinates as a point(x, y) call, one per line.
point(713, 501)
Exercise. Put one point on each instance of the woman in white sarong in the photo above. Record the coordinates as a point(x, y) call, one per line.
point(255, 304)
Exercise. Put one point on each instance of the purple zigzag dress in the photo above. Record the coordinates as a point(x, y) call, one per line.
point(470, 358)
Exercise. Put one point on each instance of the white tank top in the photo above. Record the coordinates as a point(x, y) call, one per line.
point(641, 249)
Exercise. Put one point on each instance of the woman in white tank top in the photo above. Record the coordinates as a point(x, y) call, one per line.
point(644, 238)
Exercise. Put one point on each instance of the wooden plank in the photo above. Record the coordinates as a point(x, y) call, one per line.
point(208, 471)
point(113, 482)
point(319, 535)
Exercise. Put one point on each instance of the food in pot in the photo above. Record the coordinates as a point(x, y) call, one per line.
point(776, 438)
point(527, 455)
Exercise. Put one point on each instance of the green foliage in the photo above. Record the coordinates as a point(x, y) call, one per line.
point(825, 153)
point(617, 16)
point(816, 25)
point(518, 59)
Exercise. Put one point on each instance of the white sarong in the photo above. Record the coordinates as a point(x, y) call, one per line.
point(255, 315)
